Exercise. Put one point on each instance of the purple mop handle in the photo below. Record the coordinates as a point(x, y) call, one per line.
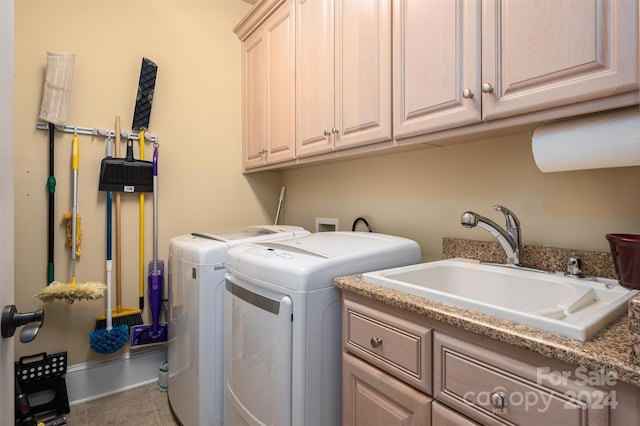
point(156, 278)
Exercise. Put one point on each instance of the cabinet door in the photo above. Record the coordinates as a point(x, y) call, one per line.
point(443, 416)
point(373, 398)
point(280, 34)
point(268, 90)
point(363, 72)
point(254, 102)
point(436, 57)
point(542, 54)
point(314, 76)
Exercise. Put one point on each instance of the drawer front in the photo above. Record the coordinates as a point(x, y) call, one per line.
point(399, 347)
point(484, 385)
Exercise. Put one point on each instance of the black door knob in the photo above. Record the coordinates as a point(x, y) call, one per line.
point(11, 320)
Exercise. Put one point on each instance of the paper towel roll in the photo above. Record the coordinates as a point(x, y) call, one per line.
point(609, 139)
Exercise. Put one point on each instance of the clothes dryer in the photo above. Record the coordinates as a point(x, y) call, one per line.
point(196, 293)
point(282, 337)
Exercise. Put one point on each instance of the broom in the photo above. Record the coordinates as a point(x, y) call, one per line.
point(120, 315)
point(109, 339)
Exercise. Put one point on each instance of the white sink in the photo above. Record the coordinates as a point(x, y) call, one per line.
point(572, 307)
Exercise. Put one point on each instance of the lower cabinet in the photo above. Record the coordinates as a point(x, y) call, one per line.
point(400, 368)
point(441, 415)
point(372, 397)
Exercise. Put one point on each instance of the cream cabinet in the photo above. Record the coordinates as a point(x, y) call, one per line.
point(375, 398)
point(462, 62)
point(402, 368)
point(495, 389)
point(268, 86)
point(343, 74)
point(436, 57)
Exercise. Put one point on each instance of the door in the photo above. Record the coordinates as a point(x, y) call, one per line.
point(268, 90)
point(372, 397)
point(258, 348)
point(362, 72)
point(547, 53)
point(315, 79)
point(436, 65)
point(254, 101)
point(6, 201)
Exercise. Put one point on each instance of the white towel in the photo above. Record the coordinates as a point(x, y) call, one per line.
point(57, 87)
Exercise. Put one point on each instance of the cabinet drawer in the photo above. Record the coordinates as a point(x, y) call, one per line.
point(495, 389)
point(395, 345)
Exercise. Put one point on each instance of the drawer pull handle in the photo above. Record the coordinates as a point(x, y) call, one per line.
point(498, 400)
point(376, 342)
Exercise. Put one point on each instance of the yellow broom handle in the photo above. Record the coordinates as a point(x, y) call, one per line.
point(141, 266)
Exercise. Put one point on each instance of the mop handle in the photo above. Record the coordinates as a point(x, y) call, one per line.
point(109, 245)
point(141, 231)
point(74, 165)
point(156, 147)
point(118, 229)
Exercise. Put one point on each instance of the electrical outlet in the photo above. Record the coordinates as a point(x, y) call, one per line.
point(327, 224)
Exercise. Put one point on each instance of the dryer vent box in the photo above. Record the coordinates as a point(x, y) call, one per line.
point(327, 224)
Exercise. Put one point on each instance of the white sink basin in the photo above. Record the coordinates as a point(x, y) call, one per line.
point(572, 307)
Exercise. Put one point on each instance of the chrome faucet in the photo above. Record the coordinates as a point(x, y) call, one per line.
point(509, 239)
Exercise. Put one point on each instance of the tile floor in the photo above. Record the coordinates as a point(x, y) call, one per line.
point(143, 406)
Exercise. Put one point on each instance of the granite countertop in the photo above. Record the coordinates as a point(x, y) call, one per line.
point(608, 352)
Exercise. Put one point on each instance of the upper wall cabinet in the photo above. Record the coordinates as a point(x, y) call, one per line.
point(464, 61)
point(343, 74)
point(268, 86)
point(436, 65)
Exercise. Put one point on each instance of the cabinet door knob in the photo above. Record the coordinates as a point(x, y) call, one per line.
point(327, 133)
point(487, 88)
point(498, 400)
point(334, 130)
point(376, 342)
point(467, 94)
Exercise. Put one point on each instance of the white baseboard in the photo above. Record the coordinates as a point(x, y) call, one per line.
point(96, 379)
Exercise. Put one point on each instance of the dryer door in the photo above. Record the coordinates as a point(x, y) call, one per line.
point(258, 348)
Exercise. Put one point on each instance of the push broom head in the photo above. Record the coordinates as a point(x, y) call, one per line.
point(57, 87)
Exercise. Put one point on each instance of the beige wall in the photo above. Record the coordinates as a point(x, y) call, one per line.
point(196, 114)
point(422, 194)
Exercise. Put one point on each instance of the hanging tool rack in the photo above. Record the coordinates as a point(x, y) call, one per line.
point(97, 132)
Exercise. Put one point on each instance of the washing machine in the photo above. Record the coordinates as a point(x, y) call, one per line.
point(282, 334)
point(196, 292)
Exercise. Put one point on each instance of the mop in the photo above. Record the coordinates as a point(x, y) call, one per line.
point(54, 109)
point(156, 332)
point(73, 291)
point(109, 339)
